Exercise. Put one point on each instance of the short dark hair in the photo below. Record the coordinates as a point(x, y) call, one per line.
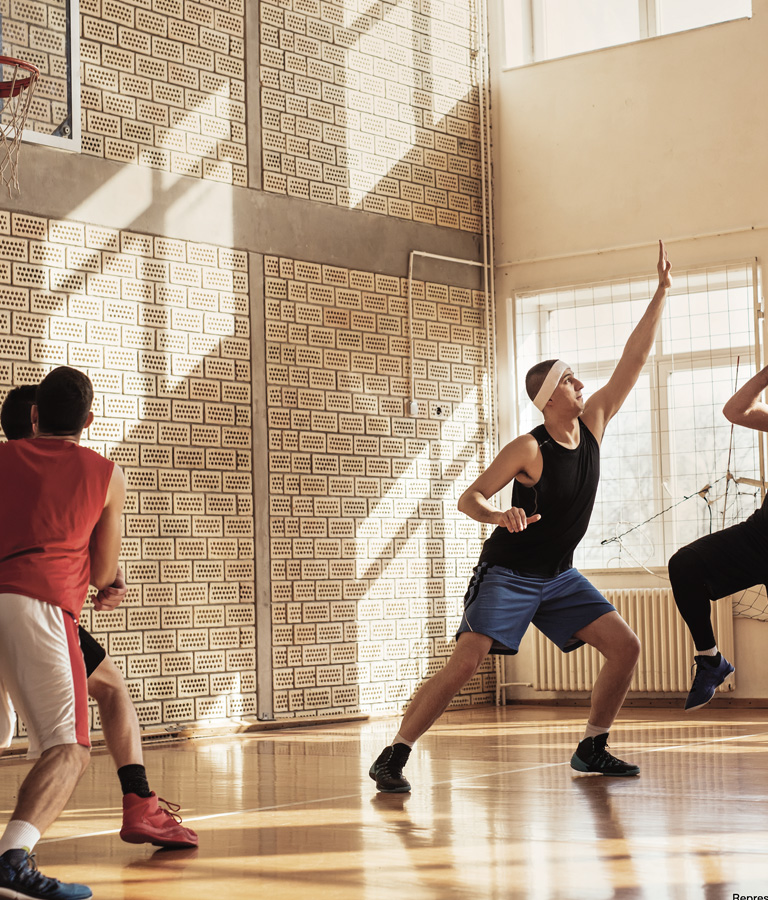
point(15, 415)
point(63, 399)
point(536, 375)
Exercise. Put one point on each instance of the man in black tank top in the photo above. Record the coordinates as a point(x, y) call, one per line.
point(720, 564)
point(525, 573)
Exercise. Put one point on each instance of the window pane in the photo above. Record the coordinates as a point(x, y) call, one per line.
point(680, 15)
point(709, 320)
point(571, 27)
point(700, 444)
point(627, 491)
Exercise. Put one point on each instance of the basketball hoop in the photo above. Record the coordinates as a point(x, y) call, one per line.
point(15, 99)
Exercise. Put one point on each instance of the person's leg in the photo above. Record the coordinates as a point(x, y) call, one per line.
point(692, 596)
point(427, 705)
point(433, 697)
point(573, 613)
point(49, 784)
point(119, 722)
point(42, 672)
point(712, 567)
point(42, 796)
point(618, 644)
point(144, 821)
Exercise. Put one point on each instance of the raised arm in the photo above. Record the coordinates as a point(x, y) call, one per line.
point(745, 407)
point(603, 405)
point(106, 536)
point(518, 458)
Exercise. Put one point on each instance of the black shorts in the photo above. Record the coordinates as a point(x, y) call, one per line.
point(733, 559)
point(93, 653)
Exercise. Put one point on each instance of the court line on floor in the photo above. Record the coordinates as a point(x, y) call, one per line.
point(688, 746)
point(497, 774)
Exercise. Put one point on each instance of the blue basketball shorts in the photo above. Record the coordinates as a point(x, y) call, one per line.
point(501, 604)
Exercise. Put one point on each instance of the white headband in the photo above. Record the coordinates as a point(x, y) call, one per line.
point(550, 383)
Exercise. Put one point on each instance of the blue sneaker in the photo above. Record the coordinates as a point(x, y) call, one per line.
point(709, 674)
point(21, 880)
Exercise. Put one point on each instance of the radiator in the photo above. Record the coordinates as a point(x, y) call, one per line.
point(667, 649)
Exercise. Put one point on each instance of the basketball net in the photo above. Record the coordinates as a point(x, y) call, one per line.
point(15, 97)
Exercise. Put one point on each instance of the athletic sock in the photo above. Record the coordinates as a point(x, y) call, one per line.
point(592, 731)
point(133, 780)
point(713, 652)
point(399, 739)
point(19, 835)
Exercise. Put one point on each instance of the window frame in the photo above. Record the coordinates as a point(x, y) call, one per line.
point(534, 32)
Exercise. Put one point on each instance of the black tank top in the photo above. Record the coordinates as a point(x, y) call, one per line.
point(564, 496)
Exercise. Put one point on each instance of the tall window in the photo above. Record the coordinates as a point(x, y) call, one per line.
point(547, 29)
point(670, 441)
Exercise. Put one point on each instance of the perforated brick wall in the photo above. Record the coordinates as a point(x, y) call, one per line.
point(371, 105)
point(163, 85)
point(369, 556)
point(162, 328)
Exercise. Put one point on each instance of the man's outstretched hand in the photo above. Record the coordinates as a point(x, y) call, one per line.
point(664, 266)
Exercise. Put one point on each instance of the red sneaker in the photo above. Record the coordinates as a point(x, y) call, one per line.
point(144, 822)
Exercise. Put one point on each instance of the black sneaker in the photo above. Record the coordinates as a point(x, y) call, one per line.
point(592, 756)
point(387, 771)
point(20, 879)
point(711, 672)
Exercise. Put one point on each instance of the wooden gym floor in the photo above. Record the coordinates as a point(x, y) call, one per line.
point(495, 813)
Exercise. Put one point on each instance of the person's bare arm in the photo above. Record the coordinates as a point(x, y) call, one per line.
point(745, 407)
point(603, 405)
point(106, 536)
point(516, 458)
point(111, 597)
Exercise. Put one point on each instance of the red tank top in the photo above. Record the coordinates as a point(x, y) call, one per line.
point(52, 496)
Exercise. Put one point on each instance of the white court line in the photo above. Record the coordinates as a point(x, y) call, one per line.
point(703, 743)
point(497, 774)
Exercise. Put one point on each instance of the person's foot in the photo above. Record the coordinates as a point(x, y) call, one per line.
point(387, 771)
point(711, 671)
point(592, 756)
point(145, 822)
point(20, 879)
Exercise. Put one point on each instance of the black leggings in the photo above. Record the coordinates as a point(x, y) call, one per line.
point(692, 596)
point(715, 566)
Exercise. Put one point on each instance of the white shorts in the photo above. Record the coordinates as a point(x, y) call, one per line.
point(42, 675)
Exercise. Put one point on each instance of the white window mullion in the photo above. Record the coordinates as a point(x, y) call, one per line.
point(538, 14)
point(529, 28)
point(650, 24)
point(642, 18)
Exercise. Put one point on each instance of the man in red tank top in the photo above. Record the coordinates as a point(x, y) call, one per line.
point(144, 820)
point(60, 512)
